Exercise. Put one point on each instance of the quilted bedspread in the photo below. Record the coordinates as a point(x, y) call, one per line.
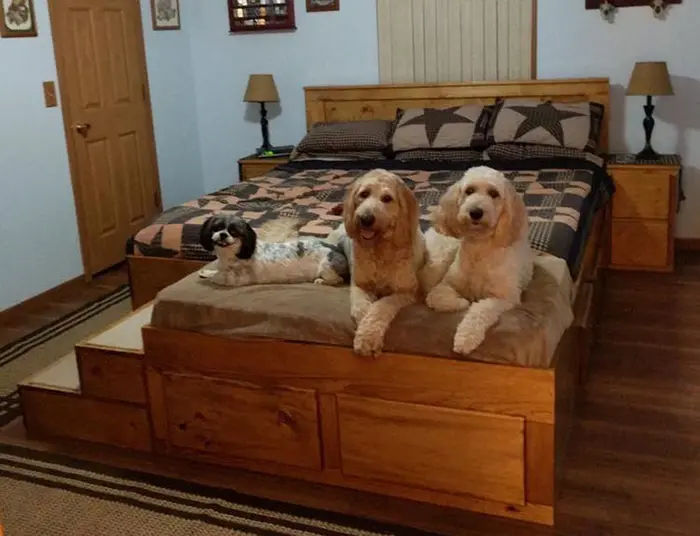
point(561, 194)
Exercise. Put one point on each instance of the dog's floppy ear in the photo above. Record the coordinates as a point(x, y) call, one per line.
point(445, 216)
point(248, 238)
point(205, 238)
point(349, 206)
point(513, 217)
point(407, 225)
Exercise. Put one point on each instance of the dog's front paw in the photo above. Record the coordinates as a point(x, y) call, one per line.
point(466, 343)
point(319, 281)
point(368, 344)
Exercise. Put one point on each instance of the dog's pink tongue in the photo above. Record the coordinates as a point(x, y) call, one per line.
point(367, 234)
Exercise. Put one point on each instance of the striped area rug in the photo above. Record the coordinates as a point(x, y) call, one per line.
point(30, 354)
point(48, 494)
point(45, 494)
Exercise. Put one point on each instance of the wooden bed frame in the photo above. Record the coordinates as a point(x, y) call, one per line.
point(149, 275)
point(474, 436)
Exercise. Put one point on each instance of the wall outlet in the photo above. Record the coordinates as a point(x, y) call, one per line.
point(50, 95)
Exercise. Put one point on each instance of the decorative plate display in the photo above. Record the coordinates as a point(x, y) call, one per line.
point(261, 15)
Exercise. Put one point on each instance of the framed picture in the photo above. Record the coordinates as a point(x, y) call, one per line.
point(260, 15)
point(166, 14)
point(322, 5)
point(18, 18)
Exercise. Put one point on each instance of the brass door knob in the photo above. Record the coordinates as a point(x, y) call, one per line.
point(82, 129)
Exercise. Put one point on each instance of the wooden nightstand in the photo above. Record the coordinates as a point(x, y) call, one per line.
point(644, 212)
point(253, 166)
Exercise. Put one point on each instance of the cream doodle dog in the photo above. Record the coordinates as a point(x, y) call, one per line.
point(494, 262)
point(387, 250)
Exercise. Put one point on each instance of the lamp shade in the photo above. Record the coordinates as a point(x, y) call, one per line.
point(261, 88)
point(650, 78)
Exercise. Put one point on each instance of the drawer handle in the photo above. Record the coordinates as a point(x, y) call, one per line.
point(284, 418)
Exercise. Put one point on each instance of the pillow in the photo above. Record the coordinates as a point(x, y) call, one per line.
point(370, 135)
point(453, 155)
point(517, 151)
point(574, 125)
point(458, 127)
point(341, 156)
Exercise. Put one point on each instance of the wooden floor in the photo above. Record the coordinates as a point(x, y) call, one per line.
point(633, 467)
point(26, 318)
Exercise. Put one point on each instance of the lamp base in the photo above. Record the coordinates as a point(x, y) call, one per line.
point(274, 151)
point(647, 154)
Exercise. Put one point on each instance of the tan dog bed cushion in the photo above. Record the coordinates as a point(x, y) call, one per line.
point(526, 336)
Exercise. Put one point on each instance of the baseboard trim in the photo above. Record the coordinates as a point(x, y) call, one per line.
point(36, 302)
point(688, 244)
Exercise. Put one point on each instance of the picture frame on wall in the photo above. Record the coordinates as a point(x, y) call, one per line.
point(165, 14)
point(322, 5)
point(18, 18)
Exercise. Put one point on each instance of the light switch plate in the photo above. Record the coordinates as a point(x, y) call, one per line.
point(50, 95)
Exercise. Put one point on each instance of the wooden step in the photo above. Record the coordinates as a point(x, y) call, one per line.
point(110, 363)
point(54, 406)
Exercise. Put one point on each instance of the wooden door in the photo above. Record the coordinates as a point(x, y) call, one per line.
point(109, 129)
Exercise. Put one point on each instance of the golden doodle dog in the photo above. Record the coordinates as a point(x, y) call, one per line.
point(387, 249)
point(494, 262)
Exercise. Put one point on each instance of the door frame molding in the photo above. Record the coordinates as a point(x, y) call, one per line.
point(59, 55)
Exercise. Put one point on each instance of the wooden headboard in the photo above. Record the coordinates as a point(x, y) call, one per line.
point(348, 103)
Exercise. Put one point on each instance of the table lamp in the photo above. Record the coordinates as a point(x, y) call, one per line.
point(261, 88)
point(649, 78)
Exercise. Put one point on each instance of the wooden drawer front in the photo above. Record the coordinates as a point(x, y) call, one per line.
point(105, 374)
point(55, 414)
point(454, 451)
point(228, 419)
point(640, 243)
point(641, 194)
point(250, 171)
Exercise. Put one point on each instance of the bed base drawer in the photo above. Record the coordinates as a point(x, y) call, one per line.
point(228, 421)
point(448, 450)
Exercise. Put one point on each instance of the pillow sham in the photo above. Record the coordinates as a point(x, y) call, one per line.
point(573, 125)
point(452, 155)
point(517, 151)
point(458, 127)
point(342, 156)
point(368, 135)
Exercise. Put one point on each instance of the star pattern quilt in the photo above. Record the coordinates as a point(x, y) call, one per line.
point(561, 195)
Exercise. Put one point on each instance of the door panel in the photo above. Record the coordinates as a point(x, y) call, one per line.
point(102, 75)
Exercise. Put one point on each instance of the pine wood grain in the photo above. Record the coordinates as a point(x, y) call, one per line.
point(631, 468)
point(457, 451)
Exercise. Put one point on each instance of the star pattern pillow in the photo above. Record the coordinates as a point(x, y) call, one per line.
point(574, 125)
point(458, 127)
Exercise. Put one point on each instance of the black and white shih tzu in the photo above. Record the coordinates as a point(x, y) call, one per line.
point(244, 260)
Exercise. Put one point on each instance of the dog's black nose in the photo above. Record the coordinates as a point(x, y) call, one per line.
point(476, 214)
point(367, 220)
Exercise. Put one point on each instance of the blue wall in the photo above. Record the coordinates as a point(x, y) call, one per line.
point(327, 48)
point(39, 246)
point(38, 228)
point(574, 42)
